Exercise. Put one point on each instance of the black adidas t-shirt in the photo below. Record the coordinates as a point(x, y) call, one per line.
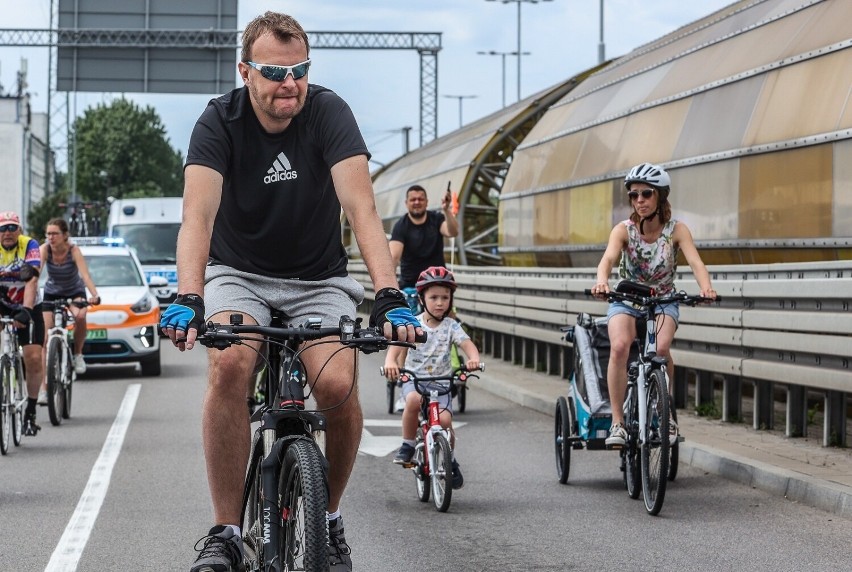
point(422, 246)
point(279, 214)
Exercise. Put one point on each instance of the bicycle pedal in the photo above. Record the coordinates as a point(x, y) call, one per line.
point(408, 465)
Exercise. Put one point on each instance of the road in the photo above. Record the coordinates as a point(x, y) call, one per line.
point(145, 501)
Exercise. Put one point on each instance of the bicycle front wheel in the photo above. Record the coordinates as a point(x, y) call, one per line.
point(303, 501)
point(674, 450)
point(655, 447)
point(7, 407)
point(630, 451)
point(442, 473)
point(55, 386)
point(421, 478)
point(252, 524)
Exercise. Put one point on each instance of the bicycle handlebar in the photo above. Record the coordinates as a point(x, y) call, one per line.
point(458, 374)
point(682, 297)
point(52, 304)
point(350, 332)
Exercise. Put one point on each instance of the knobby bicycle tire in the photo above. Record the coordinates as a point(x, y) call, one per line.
point(55, 386)
point(441, 474)
point(303, 501)
point(562, 430)
point(252, 525)
point(655, 449)
point(632, 471)
point(6, 406)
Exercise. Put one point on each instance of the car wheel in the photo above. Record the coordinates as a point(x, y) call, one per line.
point(151, 364)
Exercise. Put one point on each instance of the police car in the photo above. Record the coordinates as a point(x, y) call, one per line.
point(123, 327)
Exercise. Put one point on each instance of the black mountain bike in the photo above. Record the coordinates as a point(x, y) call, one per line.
point(286, 490)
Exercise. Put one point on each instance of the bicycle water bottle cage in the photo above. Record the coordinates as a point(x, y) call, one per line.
point(635, 288)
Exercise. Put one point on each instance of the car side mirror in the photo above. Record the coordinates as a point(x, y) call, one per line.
point(157, 282)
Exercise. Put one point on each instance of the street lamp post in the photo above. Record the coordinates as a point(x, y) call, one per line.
point(503, 55)
point(519, 2)
point(461, 98)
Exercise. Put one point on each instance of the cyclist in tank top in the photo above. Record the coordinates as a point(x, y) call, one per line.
point(67, 277)
point(647, 244)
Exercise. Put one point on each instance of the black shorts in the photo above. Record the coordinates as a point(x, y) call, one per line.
point(35, 327)
point(74, 296)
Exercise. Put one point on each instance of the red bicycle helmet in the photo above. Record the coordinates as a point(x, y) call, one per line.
point(435, 275)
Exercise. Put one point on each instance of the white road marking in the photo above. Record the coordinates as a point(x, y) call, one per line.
point(67, 553)
point(379, 445)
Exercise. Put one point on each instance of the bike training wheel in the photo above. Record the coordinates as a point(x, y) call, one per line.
point(655, 449)
point(55, 387)
point(303, 501)
point(462, 398)
point(442, 474)
point(251, 524)
point(562, 433)
point(7, 407)
point(674, 450)
point(630, 451)
point(391, 393)
point(421, 471)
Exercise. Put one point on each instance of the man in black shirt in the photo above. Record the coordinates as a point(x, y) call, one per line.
point(269, 167)
point(417, 239)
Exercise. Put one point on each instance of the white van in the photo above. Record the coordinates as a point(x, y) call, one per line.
point(150, 225)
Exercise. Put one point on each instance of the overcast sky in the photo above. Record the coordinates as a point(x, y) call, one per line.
point(382, 86)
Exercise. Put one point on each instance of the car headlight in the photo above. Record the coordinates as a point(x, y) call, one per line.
point(143, 305)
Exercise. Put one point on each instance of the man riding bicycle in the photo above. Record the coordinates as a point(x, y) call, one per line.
point(19, 268)
point(268, 169)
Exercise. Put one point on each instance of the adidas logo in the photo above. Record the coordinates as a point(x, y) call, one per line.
point(280, 170)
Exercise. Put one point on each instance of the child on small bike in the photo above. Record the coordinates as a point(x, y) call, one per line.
point(435, 286)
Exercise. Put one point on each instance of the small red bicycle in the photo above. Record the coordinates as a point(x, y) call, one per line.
point(433, 457)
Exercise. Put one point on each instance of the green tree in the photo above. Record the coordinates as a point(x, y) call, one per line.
point(43, 211)
point(122, 151)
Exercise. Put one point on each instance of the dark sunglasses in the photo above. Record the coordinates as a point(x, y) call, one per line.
point(9, 228)
point(646, 194)
point(280, 73)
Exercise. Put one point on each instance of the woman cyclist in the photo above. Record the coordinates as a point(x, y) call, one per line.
point(647, 245)
point(68, 277)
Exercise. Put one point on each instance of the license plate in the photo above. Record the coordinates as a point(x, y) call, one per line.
point(96, 335)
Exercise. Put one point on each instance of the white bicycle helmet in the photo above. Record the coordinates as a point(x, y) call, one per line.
point(653, 175)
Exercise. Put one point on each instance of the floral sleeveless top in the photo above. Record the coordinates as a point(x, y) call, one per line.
point(652, 263)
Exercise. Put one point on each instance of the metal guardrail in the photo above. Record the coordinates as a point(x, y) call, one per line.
point(787, 324)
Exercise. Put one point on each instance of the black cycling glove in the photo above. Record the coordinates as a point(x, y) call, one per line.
point(187, 311)
point(391, 306)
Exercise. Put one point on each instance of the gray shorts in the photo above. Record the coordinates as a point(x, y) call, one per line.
point(444, 401)
point(229, 290)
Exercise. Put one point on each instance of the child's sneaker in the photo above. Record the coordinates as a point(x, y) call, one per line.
point(458, 479)
point(404, 455)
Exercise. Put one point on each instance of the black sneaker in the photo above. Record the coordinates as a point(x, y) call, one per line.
point(404, 455)
point(338, 551)
point(31, 428)
point(458, 479)
point(222, 552)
